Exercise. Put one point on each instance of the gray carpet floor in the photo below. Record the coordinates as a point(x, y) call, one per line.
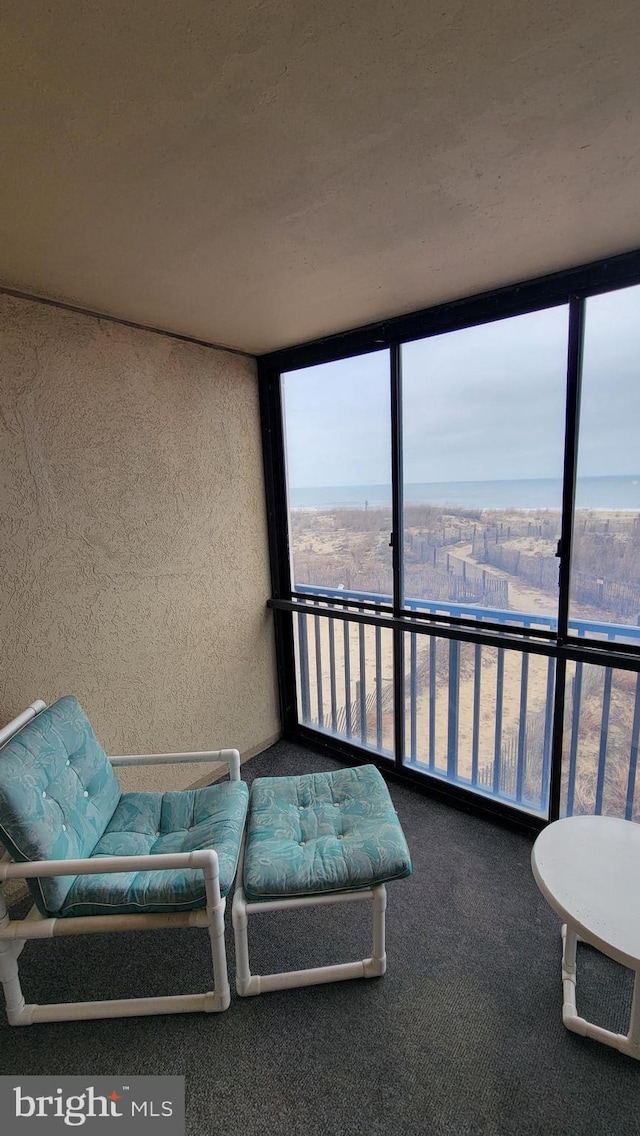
point(463, 1036)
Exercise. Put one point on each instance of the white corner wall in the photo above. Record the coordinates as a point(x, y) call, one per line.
point(133, 545)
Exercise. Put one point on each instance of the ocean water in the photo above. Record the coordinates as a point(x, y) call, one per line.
point(540, 493)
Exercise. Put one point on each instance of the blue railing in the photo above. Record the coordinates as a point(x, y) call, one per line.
point(478, 716)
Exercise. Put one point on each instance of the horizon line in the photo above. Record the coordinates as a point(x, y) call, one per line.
point(466, 481)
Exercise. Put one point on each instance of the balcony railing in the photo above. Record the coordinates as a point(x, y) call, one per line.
point(477, 716)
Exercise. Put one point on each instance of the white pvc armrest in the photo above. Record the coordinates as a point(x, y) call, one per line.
point(16, 725)
point(230, 757)
point(205, 859)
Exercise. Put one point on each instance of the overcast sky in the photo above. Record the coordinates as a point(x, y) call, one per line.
point(484, 403)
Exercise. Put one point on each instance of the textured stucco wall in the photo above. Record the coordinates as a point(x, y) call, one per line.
point(133, 546)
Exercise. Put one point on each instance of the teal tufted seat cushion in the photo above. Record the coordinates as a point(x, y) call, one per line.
point(322, 832)
point(149, 823)
point(58, 793)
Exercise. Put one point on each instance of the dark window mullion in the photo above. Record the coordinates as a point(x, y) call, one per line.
point(574, 376)
point(397, 538)
point(396, 479)
point(277, 509)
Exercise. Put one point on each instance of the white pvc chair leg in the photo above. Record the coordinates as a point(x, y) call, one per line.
point(379, 958)
point(12, 940)
point(249, 984)
point(240, 922)
point(9, 974)
point(215, 911)
point(10, 979)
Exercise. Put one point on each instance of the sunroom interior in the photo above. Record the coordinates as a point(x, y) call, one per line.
point(319, 367)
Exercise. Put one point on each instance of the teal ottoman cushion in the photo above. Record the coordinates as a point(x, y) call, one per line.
point(150, 823)
point(322, 832)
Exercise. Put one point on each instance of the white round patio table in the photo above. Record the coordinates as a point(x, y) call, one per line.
point(588, 869)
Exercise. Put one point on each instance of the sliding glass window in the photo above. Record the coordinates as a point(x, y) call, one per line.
point(461, 594)
point(338, 458)
point(483, 441)
point(605, 568)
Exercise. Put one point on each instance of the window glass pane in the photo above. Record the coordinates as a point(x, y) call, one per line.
point(480, 717)
point(337, 419)
point(344, 674)
point(600, 750)
point(605, 576)
point(483, 439)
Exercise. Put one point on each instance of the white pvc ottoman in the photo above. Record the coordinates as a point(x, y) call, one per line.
point(315, 839)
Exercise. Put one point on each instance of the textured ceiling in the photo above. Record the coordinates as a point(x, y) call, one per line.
point(262, 173)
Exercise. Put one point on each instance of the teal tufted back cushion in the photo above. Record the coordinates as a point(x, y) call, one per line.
point(58, 793)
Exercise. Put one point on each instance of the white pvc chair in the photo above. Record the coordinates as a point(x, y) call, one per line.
point(50, 873)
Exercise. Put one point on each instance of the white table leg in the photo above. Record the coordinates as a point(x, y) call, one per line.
point(633, 1037)
point(626, 1043)
point(569, 1010)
